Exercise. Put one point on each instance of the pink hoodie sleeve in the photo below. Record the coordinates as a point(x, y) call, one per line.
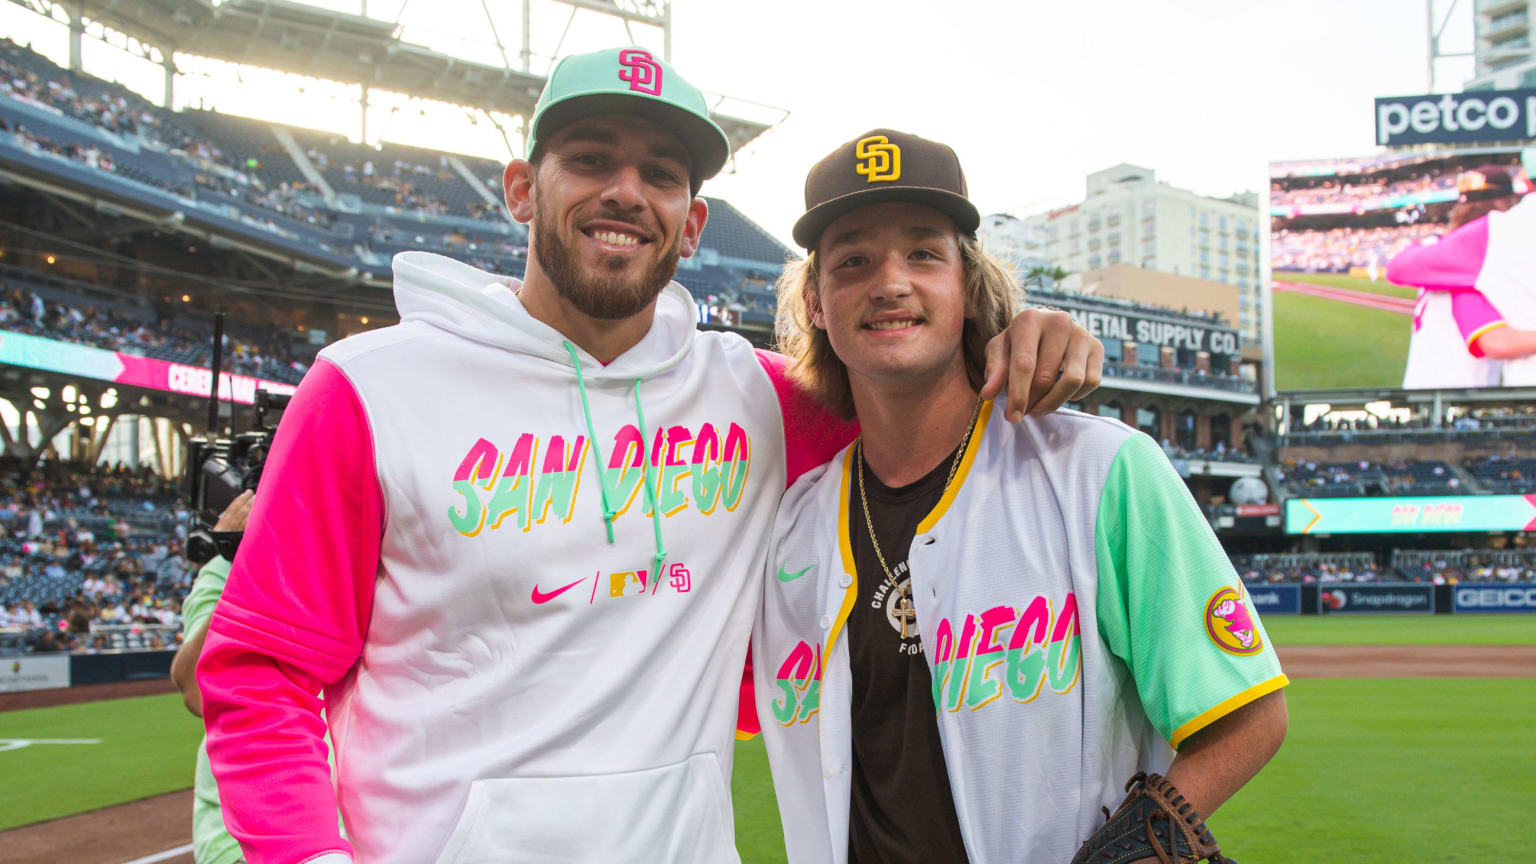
point(1474, 315)
point(813, 433)
point(1454, 262)
point(291, 621)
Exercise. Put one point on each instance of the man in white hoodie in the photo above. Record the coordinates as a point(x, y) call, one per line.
point(514, 538)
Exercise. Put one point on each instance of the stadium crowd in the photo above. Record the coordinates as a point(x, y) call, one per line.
point(1443, 567)
point(85, 550)
point(1309, 567)
point(1301, 192)
point(24, 311)
point(1337, 249)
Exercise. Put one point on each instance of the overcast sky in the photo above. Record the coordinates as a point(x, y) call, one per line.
point(1032, 95)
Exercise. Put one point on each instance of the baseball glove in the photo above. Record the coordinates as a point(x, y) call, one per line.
point(1154, 825)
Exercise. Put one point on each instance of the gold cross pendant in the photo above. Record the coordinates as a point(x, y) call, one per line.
point(905, 612)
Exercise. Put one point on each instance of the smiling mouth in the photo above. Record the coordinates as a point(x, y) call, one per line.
point(620, 239)
point(894, 324)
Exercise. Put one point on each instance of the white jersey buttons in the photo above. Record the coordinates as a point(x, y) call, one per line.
point(844, 581)
point(826, 622)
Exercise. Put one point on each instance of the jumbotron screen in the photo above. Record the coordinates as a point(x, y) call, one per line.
point(1419, 515)
point(1389, 271)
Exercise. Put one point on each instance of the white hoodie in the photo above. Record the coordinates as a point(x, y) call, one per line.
point(507, 677)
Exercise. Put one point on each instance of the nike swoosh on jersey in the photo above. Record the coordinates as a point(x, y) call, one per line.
point(542, 597)
point(786, 576)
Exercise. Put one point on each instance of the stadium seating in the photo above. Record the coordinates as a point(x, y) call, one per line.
point(1309, 567)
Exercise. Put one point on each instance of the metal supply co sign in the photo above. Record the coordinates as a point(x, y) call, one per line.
point(1476, 115)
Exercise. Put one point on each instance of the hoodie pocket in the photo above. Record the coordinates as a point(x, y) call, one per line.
point(674, 814)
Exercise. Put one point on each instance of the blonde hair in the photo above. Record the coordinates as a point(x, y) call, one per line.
point(991, 295)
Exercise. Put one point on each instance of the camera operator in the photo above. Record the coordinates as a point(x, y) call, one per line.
point(210, 841)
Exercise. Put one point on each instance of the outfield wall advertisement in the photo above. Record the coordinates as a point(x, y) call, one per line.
point(1343, 598)
point(1275, 599)
point(33, 673)
point(35, 352)
point(1410, 515)
point(1494, 598)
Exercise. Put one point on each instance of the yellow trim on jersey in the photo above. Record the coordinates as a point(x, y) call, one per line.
point(844, 515)
point(1478, 334)
point(1227, 707)
point(845, 546)
point(953, 489)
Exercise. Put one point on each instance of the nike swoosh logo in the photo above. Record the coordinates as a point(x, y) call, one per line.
point(786, 576)
point(541, 597)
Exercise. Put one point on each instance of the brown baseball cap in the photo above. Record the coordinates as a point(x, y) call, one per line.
point(1486, 182)
point(884, 165)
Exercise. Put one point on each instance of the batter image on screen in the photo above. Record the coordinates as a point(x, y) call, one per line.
point(1460, 338)
point(978, 636)
point(1386, 271)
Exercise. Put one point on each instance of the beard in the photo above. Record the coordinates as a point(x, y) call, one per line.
point(608, 294)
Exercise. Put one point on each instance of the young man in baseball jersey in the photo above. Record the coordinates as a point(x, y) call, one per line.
point(973, 632)
point(515, 538)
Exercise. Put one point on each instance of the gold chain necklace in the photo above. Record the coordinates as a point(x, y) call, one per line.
point(869, 524)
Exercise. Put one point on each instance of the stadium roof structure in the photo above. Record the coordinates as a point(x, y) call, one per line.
point(307, 40)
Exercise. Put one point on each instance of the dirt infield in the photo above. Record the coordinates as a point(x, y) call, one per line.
point(1384, 302)
point(109, 836)
point(129, 832)
point(1408, 661)
point(88, 693)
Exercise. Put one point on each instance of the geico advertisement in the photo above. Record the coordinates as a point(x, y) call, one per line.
point(1495, 598)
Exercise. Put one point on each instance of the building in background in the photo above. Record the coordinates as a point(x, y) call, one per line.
point(1505, 60)
point(1130, 218)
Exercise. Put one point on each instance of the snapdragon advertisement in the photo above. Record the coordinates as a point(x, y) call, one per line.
point(1412, 270)
point(1428, 514)
point(36, 352)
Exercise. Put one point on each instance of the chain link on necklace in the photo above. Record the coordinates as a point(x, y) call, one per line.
point(903, 594)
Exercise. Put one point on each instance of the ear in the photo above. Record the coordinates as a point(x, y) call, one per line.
point(698, 214)
point(517, 184)
point(812, 294)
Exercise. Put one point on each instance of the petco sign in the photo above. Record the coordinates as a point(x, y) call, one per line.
point(1477, 115)
point(1495, 598)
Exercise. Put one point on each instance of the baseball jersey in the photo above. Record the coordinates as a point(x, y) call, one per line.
point(1078, 615)
point(523, 579)
point(1508, 278)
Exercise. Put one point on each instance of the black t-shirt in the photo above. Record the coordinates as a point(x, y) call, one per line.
point(901, 808)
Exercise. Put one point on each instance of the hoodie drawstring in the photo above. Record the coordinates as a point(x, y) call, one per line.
point(602, 483)
point(650, 485)
point(645, 463)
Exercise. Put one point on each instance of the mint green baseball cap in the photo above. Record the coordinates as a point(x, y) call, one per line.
point(630, 81)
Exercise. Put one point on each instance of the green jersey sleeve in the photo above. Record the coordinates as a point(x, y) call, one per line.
point(205, 593)
point(1169, 603)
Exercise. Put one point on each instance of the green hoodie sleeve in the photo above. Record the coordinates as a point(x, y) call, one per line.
point(198, 606)
point(1169, 603)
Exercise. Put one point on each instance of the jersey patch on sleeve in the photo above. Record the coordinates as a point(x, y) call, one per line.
point(1230, 624)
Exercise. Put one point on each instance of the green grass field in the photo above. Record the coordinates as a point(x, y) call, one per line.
point(1336, 281)
point(1402, 630)
point(1372, 772)
point(1322, 343)
point(1424, 770)
point(147, 748)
